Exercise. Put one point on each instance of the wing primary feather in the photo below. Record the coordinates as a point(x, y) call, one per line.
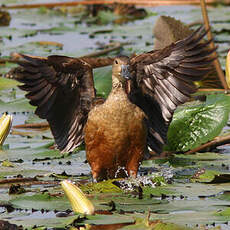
point(178, 95)
point(190, 38)
point(35, 60)
point(165, 109)
point(29, 83)
point(26, 77)
point(198, 45)
point(56, 85)
point(196, 40)
point(195, 73)
point(34, 96)
point(35, 88)
point(44, 110)
point(201, 57)
point(45, 99)
point(199, 64)
point(165, 79)
point(29, 67)
point(169, 95)
point(186, 88)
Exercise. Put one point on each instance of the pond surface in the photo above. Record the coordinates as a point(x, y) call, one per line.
point(174, 199)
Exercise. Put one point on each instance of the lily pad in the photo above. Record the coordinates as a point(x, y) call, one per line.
point(196, 125)
point(111, 219)
point(154, 225)
point(213, 177)
point(7, 83)
point(40, 220)
point(225, 213)
point(41, 201)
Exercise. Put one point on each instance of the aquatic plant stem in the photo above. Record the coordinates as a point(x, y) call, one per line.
point(37, 126)
point(18, 180)
point(133, 2)
point(217, 141)
point(212, 45)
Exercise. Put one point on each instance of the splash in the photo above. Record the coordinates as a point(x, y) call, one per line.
point(153, 179)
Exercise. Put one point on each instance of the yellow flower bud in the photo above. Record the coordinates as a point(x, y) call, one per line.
point(227, 69)
point(5, 125)
point(79, 202)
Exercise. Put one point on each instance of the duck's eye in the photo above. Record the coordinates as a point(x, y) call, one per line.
point(116, 62)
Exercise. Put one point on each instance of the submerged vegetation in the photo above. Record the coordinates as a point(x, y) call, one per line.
point(176, 190)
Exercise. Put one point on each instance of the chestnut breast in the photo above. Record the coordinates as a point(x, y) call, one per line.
point(115, 131)
point(117, 117)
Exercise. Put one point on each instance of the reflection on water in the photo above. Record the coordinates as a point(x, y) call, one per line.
point(35, 215)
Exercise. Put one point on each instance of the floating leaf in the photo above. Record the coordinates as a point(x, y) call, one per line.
point(41, 201)
point(211, 176)
point(18, 105)
point(41, 221)
point(7, 83)
point(7, 163)
point(198, 124)
point(101, 187)
point(155, 225)
point(111, 219)
point(224, 196)
point(225, 212)
point(106, 17)
point(169, 226)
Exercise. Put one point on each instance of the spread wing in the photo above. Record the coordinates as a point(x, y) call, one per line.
point(163, 79)
point(63, 91)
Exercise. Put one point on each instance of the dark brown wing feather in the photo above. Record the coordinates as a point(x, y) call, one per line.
point(62, 88)
point(163, 79)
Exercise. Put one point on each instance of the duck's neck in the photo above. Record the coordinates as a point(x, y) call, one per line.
point(117, 85)
point(118, 91)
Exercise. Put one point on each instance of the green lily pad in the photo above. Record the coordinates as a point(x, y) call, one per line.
point(213, 177)
point(155, 225)
point(164, 226)
point(198, 159)
point(41, 201)
point(106, 17)
point(34, 219)
point(101, 187)
point(7, 83)
point(111, 219)
point(7, 163)
point(225, 213)
point(11, 32)
point(196, 125)
point(18, 105)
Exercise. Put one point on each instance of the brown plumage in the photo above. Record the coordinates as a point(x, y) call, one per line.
point(117, 132)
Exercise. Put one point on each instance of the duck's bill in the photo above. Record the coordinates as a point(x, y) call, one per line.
point(5, 126)
point(79, 202)
point(125, 72)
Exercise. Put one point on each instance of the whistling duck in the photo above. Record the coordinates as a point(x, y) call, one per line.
point(133, 117)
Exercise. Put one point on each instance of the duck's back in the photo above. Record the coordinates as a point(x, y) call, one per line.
point(115, 137)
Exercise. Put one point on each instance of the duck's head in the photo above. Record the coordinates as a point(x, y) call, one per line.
point(121, 70)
